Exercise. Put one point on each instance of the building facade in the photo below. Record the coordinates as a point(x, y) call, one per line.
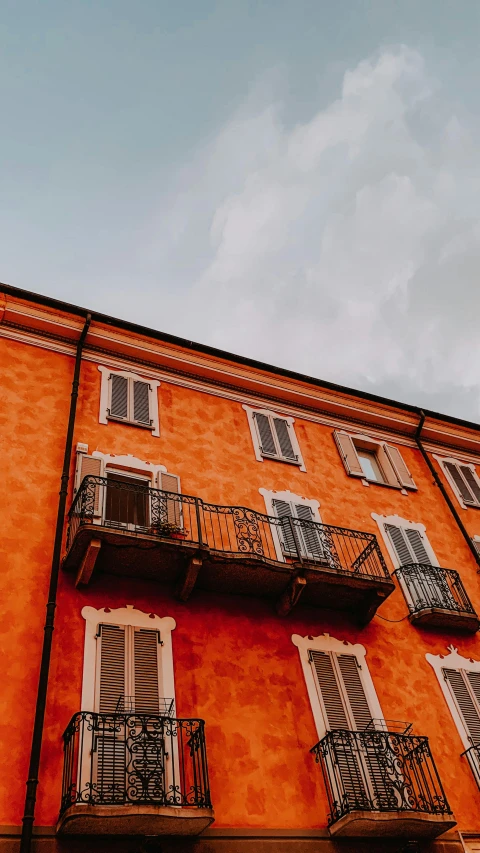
point(267, 609)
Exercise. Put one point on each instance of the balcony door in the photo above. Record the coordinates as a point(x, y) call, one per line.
point(127, 501)
point(425, 585)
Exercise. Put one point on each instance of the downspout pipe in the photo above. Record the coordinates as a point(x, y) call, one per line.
point(443, 490)
point(32, 781)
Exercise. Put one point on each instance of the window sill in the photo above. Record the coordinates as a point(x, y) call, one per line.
point(150, 427)
point(297, 462)
point(396, 486)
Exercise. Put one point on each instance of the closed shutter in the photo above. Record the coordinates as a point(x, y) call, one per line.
point(145, 668)
point(173, 507)
point(267, 441)
point(284, 441)
point(359, 706)
point(348, 454)
point(476, 545)
point(416, 543)
point(89, 466)
point(119, 396)
point(310, 539)
point(471, 480)
point(466, 704)
point(284, 511)
point(330, 691)
point(400, 543)
point(141, 407)
point(111, 687)
point(460, 484)
point(401, 470)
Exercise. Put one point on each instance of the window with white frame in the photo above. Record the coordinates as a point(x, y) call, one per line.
point(273, 436)
point(298, 518)
point(373, 461)
point(129, 398)
point(462, 477)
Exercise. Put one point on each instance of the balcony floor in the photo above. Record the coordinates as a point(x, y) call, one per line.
point(170, 560)
point(402, 824)
point(438, 617)
point(133, 820)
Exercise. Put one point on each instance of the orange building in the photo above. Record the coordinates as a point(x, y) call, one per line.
point(262, 595)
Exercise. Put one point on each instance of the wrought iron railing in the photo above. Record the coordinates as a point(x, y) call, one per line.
point(119, 759)
point(426, 586)
point(376, 770)
point(228, 529)
point(473, 757)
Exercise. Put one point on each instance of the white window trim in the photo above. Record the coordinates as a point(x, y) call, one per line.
point(453, 661)
point(451, 481)
point(125, 616)
point(127, 464)
point(256, 443)
point(269, 496)
point(402, 522)
point(375, 444)
point(127, 374)
point(326, 643)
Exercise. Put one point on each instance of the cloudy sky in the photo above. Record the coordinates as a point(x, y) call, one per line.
point(293, 180)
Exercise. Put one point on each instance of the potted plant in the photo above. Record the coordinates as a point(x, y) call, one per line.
point(167, 528)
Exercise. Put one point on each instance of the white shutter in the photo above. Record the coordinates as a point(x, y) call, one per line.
point(90, 466)
point(118, 396)
point(309, 536)
point(416, 543)
point(333, 704)
point(348, 454)
point(461, 486)
point(403, 474)
point(467, 706)
point(476, 545)
point(111, 668)
point(265, 435)
point(360, 709)
point(141, 402)
point(145, 671)
point(171, 483)
point(343, 696)
point(400, 544)
point(283, 511)
point(471, 481)
point(284, 441)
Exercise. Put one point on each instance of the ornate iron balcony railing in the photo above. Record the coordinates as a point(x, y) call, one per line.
point(426, 586)
point(379, 771)
point(121, 759)
point(473, 757)
point(226, 529)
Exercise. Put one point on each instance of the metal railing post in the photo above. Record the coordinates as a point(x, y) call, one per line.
point(295, 539)
point(199, 525)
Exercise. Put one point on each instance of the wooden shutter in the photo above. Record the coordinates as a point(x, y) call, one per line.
point(284, 441)
point(284, 511)
point(89, 466)
point(416, 543)
point(476, 545)
point(471, 481)
point(145, 669)
point(400, 544)
point(171, 483)
point(357, 699)
point(111, 681)
point(141, 405)
point(462, 488)
point(343, 696)
point(348, 454)
point(330, 691)
point(401, 470)
point(119, 396)
point(309, 536)
point(265, 434)
point(465, 702)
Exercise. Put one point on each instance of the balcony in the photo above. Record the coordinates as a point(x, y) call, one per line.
point(129, 529)
point(134, 774)
point(436, 597)
point(382, 783)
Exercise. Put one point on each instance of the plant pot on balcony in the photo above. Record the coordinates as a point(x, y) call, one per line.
point(165, 529)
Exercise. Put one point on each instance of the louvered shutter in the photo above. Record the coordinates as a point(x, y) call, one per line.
point(401, 470)
point(348, 454)
point(284, 441)
point(173, 507)
point(111, 686)
point(89, 466)
point(145, 668)
point(119, 396)
point(467, 707)
point(416, 543)
point(471, 481)
point(141, 406)
point(476, 545)
point(309, 536)
point(461, 486)
point(267, 441)
point(330, 691)
point(358, 701)
point(283, 510)
point(400, 543)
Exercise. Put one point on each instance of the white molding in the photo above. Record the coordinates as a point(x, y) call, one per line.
point(456, 461)
point(290, 497)
point(398, 521)
point(326, 643)
point(131, 462)
point(251, 411)
point(128, 374)
point(125, 616)
point(453, 661)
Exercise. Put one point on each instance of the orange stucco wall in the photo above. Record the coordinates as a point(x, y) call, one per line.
point(235, 664)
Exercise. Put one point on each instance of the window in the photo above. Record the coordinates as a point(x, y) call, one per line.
point(129, 398)
point(274, 437)
point(463, 480)
point(286, 506)
point(373, 461)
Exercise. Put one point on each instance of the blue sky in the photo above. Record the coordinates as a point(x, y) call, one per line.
point(293, 181)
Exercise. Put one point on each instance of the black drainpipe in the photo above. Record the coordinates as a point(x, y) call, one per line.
point(443, 490)
point(32, 781)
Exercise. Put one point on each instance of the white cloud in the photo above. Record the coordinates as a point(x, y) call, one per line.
point(347, 247)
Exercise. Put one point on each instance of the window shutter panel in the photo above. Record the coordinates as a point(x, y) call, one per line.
point(141, 407)
point(267, 441)
point(401, 470)
point(285, 444)
point(472, 483)
point(328, 686)
point(112, 668)
point(170, 483)
point(119, 396)
point(348, 454)
point(145, 667)
point(283, 510)
point(400, 543)
point(476, 545)
point(464, 702)
point(416, 543)
point(354, 689)
point(312, 543)
point(461, 486)
point(89, 466)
